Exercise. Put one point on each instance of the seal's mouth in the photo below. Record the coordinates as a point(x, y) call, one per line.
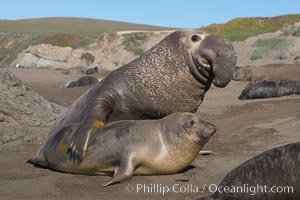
point(200, 68)
point(203, 65)
point(202, 62)
point(208, 133)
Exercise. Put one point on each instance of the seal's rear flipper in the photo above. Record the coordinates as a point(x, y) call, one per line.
point(117, 179)
point(38, 160)
point(124, 172)
point(32, 161)
point(37, 163)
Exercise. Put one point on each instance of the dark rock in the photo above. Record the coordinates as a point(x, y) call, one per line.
point(25, 116)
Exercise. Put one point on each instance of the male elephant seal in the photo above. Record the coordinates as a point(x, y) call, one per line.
point(172, 76)
point(271, 175)
point(270, 88)
point(131, 147)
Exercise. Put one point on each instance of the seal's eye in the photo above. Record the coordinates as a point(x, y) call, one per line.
point(195, 38)
point(189, 124)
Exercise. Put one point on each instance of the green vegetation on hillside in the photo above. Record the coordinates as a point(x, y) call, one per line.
point(88, 57)
point(76, 26)
point(63, 32)
point(272, 44)
point(241, 28)
point(133, 42)
point(11, 45)
point(64, 40)
point(297, 32)
point(17, 35)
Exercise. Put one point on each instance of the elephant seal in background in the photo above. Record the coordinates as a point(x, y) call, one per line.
point(172, 76)
point(91, 70)
point(277, 167)
point(269, 89)
point(83, 81)
point(131, 147)
point(266, 72)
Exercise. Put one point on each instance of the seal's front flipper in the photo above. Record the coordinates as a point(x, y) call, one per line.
point(77, 148)
point(124, 172)
point(79, 144)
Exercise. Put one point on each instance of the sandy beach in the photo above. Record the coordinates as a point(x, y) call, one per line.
point(245, 128)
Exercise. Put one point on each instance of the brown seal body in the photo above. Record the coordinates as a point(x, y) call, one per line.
point(172, 76)
point(277, 167)
point(266, 72)
point(131, 147)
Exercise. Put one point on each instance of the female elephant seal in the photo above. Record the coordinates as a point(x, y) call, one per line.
point(271, 175)
point(83, 81)
point(269, 89)
point(266, 72)
point(131, 147)
point(172, 76)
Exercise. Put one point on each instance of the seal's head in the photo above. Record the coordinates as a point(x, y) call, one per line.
point(191, 127)
point(210, 57)
point(185, 134)
point(197, 129)
point(242, 74)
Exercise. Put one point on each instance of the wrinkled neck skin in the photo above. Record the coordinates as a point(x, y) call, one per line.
point(164, 76)
point(204, 76)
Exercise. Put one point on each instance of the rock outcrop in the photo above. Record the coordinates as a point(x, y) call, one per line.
point(25, 116)
point(110, 51)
